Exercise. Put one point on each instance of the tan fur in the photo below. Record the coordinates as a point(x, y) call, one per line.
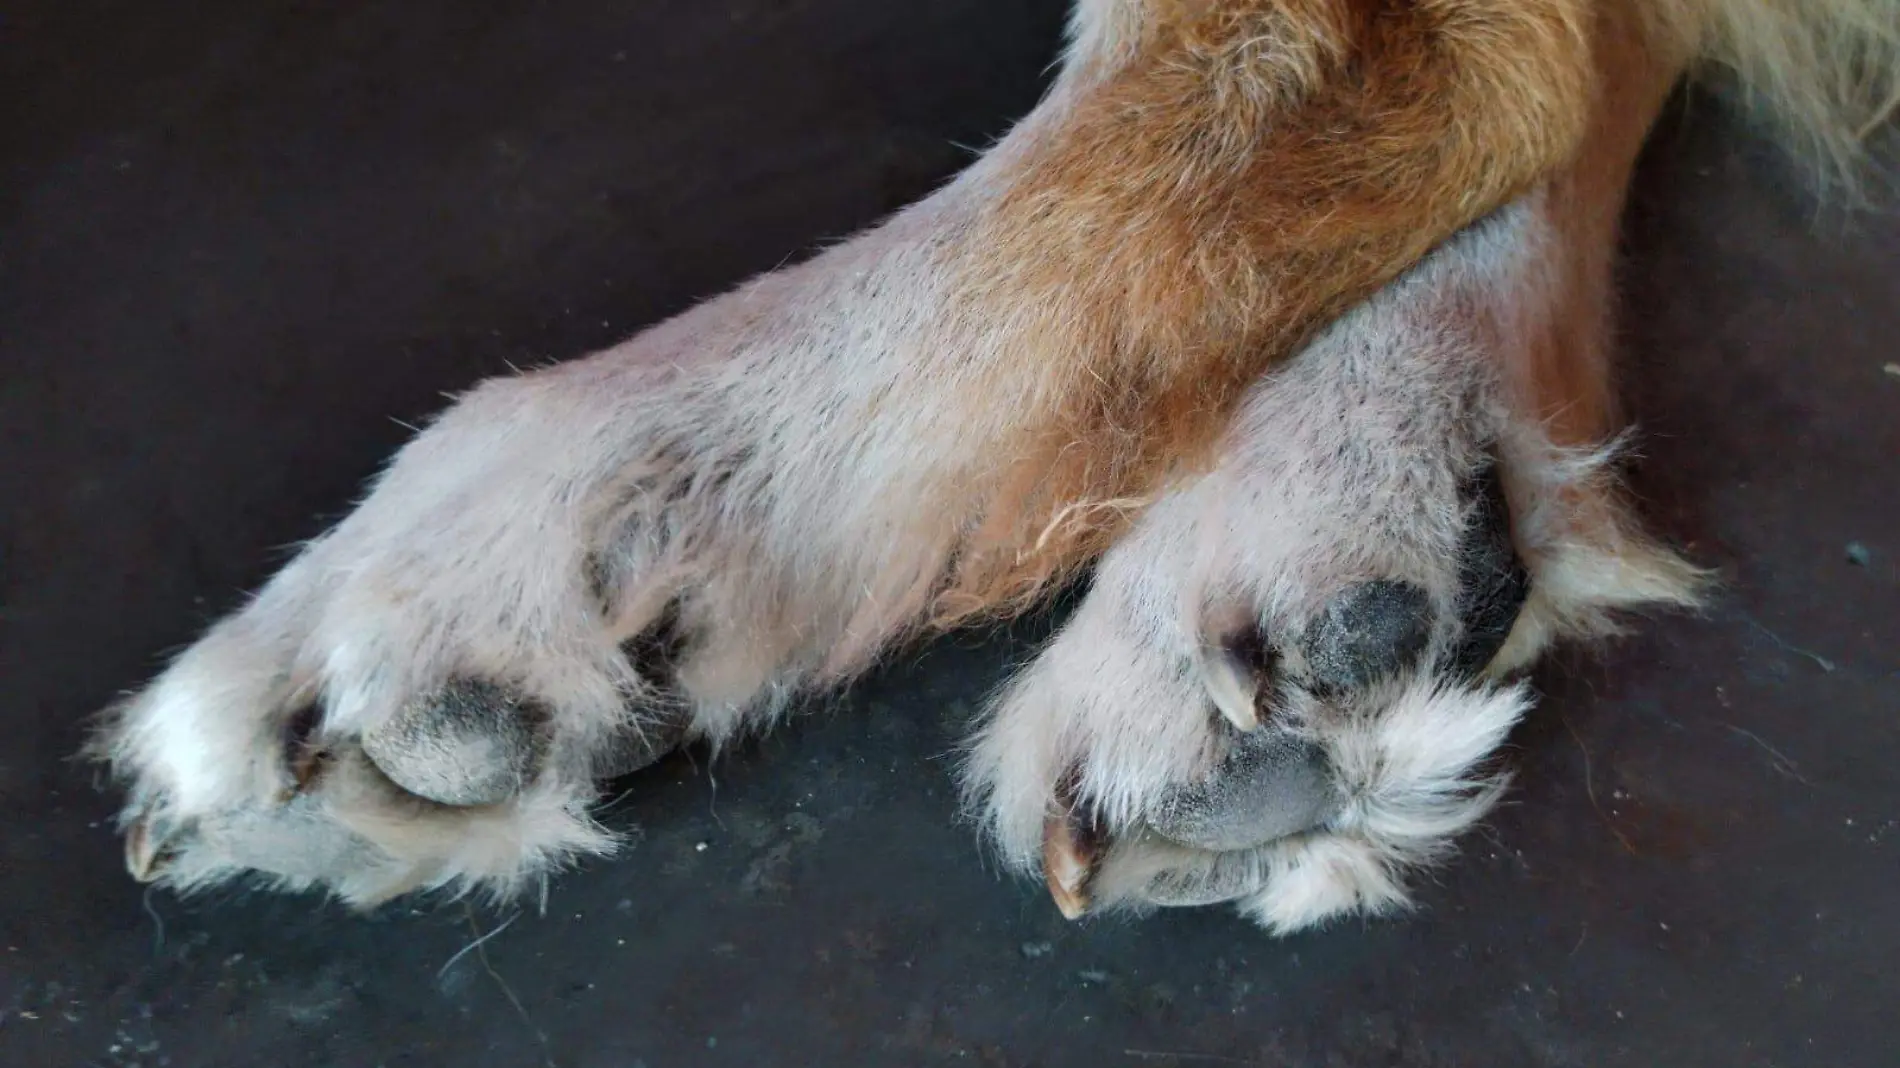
point(1252, 171)
point(1249, 170)
point(1822, 75)
point(1590, 555)
point(1563, 375)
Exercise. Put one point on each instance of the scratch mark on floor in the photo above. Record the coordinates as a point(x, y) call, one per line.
point(1826, 665)
point(1781, 762)
point(480, 948)
point(1589, 787)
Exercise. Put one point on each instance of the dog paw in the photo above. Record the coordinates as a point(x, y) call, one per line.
point(1285, 688)
point(427, 695)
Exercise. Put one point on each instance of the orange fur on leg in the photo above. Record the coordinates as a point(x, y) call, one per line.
point(1248, 172)
point(1231, 175)
point(1590, 555)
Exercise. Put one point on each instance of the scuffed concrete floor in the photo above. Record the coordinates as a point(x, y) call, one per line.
point(239, 241)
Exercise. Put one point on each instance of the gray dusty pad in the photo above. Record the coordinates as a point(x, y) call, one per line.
point(660, 733)
point(470, 743)
point(1371, 631)
point(1492, 581)
point(665, 715)
point(1219, 878)
point(1271, 786)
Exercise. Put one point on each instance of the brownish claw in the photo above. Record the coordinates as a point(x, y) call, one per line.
point(1072, 846)
point(146, 852)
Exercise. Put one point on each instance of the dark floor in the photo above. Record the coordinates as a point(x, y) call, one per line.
point(239, 240)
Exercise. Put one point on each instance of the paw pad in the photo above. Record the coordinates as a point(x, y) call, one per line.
point(1492, 581)
point(470, 743)
point(1371, 631)
point(1272, 785)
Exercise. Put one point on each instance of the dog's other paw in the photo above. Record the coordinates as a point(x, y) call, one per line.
point(1283, 689)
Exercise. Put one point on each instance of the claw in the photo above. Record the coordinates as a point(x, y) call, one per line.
point(1072, 846)
point(304, 756)
point(1235, 671)
point(1067, 866)
point(1233, 694)
point(148, 850)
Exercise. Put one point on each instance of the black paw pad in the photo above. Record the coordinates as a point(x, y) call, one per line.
point(664, 714)
point(655, 653)
point(1492, 581)
point(469, 743)
point(1272, 785)
point(657, 734)
point(1371, 631)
